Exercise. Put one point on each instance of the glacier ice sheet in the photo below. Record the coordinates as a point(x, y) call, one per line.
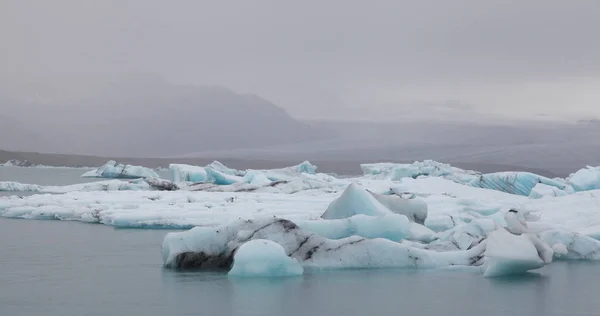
point(263, 258)
point(114, 170)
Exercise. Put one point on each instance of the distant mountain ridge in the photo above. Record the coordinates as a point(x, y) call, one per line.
point(148, 116)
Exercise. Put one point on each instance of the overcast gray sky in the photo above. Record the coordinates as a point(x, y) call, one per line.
point(527, 58)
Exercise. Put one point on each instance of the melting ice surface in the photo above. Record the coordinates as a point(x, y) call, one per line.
point(423, 215)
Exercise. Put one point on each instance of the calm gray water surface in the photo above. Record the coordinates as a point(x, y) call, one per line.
point(69, 268)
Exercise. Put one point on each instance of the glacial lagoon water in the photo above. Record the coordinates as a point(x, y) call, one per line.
point(70, 268)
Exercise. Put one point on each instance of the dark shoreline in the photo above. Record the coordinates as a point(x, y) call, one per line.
point(342, 167)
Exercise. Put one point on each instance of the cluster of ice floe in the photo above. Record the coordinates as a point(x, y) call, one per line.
point(520, 183)
point(214, 177)
point(28, 164)
point(503, 242)
point(421, 215)
point(107, 185)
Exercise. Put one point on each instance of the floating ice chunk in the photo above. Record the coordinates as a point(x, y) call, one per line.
point(392, 226)
point(109, 185)
point(221, 178)
point(218, 166)
point(540, 190)
point(585, 179)
point(353, 201)
point(187, 173)
point(213, 248)
point(429, 168)
point(425, 168)
point(257, 178)
point(17, 163)
point(219, 174)
point(114, 170)
point(303, 167)
point(377, 168)
point(579, 247)
point(19, 187)
point(263, 258)
point(520, 183)
point(414, 209)
point(510, 254)
point(288, 173)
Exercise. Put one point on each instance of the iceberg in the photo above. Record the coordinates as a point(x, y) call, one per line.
point(541, 190)
point(353, 201)
point(507, 254)
point(108, 185)
point(263, 258)
point(222, 178)
point(10, 186)
point(356, 200)
point(220, 174)
point(585, 179)
point(17, 163)
point(288, 173)
point(114, 170)
point(572, 246)
point(519, 183)
point(214, 248)
point(187, 173)
point(429, 168)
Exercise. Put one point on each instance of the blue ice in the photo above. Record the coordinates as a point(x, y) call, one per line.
point(264, 258)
